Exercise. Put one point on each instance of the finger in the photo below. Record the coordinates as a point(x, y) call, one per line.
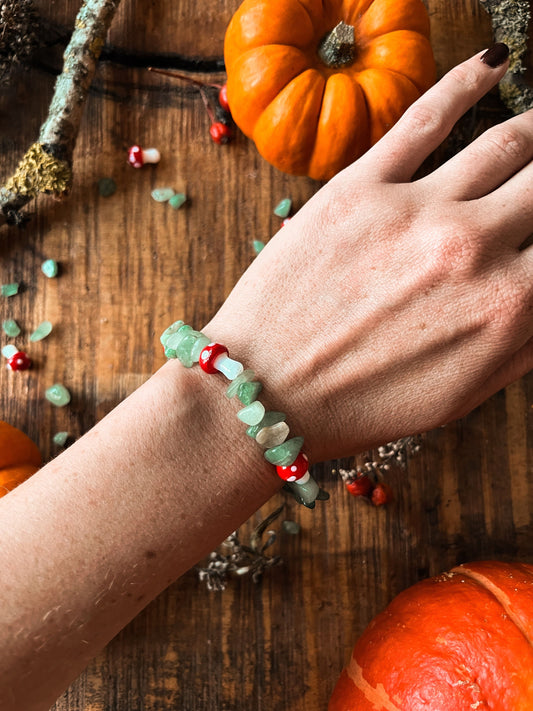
point(429, 120)
point(486, 163)
point(508, 211)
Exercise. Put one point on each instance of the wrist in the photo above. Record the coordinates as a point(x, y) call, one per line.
point(268, 427)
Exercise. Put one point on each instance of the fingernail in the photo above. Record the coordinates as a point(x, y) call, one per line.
point(496, 55)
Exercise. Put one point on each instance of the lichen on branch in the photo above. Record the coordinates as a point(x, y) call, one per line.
point(47, 165)
point(510, 23)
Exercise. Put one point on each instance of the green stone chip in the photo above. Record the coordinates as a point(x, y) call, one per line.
point(11, 328)
point(284, 454)
point(9, 289)
point(58, 395)
point(283, 208)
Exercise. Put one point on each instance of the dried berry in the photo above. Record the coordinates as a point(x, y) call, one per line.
point(382, 494)
point(361, 486)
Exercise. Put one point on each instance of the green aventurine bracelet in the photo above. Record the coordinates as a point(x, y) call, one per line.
point(269, 429)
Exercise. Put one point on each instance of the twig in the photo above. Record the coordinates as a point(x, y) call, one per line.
point(510, 21)
point(47, 165)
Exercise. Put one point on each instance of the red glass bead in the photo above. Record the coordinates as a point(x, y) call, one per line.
point(19, 361)
point(209, 355)
point(294, 471)
point(135, 157)
point(223, 97)
point(220, 132)
point(361, 486)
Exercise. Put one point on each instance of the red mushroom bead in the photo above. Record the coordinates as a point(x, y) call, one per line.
point(19, 361)
point(138, 156)
point(209, 355)
point(135, 157)
point(294, 471)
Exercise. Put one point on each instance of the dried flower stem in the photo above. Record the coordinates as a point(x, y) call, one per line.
point(239, 559)
point(396, 453)
point(510, 21)
point(47, 165)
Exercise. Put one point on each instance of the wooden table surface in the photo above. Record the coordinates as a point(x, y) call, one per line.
point(129, 266)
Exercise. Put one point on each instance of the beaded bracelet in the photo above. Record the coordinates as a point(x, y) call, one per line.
point(269, 429)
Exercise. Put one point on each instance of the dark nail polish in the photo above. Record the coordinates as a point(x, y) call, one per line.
point(496, 55)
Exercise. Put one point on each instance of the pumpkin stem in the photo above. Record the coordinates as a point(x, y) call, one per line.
point(337, 48)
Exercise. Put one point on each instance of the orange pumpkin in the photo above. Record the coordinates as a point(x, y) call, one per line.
point(456, 642)
point(314, 94)
point(19, 457)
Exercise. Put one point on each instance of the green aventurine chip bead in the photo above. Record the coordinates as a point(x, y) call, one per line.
point(234, 386)
point(162, 194)
point(11, 328)
point(60, 438)
point(270, 418)
point(248, 392)
point(187, 347)
point(306, 493)
point(201, 342)
point(252, 414)
point(9, 289)
point(283, 208)
point(169, 331)
point(175, 339)
point(43, 330)
point(9, 350)
point(58, 395)
point(284, 454)
point(258, 246)
point(177, 200)
point(49, 268)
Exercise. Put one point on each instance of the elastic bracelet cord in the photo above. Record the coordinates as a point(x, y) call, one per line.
point(268, 429)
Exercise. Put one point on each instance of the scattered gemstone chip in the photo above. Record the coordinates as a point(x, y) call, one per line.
point(58, 395)
point(177, 200)
point(258, 246)
point(49, 268)
point(283, 208)
point(43, 330)
point(11, 328)
point(162, 194)
point(9, 289)
point(60, 438)
point(9, 351)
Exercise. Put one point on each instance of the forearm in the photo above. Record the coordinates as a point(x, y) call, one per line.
point(106, 526)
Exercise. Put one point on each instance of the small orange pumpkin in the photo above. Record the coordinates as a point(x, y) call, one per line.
point(19, 457)
point(456, 642)
point(315, 83)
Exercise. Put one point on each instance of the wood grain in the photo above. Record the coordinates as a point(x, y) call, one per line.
point(128, 267)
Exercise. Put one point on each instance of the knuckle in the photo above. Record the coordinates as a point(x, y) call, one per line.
point(507, 144)
point(425, 120)
point(455, 253)
point(466, 75)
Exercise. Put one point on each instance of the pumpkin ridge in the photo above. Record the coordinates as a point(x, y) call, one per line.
point(497, 593)
point(377, 696)
point(396, 73)
point(306, 9)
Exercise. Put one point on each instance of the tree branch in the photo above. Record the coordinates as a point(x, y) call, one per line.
point(47, 165)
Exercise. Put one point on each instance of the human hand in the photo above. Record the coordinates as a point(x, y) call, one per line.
point(388, 307)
